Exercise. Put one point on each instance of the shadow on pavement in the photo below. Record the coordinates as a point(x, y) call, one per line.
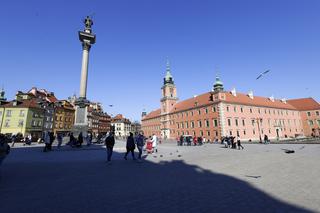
point(82, 182)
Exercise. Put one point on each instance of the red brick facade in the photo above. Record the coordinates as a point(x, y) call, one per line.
point(221, 113)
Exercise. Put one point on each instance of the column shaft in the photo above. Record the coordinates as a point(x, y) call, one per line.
point(84, 73)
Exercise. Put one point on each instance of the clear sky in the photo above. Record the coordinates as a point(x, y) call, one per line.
point(236, 38)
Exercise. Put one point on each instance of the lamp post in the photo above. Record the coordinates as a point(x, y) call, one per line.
point(258, 121)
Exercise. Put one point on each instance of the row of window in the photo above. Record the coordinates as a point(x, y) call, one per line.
point(35, 114)
point(65, 113)
point(255, 132)
point(65, 126)
point(241, 109)
point(311, 122)
point(182, 125)
point(153, 120)
point(316, 113)
point(9, 113)
point(192, 112)
point(34, 123)
point(277, 122)
point(152, 128)
point(60, 118)
point(259, 110)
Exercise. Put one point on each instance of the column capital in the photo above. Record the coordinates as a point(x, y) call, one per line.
point(86, 46)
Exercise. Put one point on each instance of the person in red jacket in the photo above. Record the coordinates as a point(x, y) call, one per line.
point(195, 140)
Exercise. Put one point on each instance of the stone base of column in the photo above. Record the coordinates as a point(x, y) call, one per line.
point(81, 117)
point(80, 128)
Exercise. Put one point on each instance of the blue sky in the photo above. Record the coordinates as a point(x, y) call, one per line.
point(236, 38)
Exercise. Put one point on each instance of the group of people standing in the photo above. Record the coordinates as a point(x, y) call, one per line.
point(232, 142)
point(189, 140)
point(48, 141)
point(133, 142)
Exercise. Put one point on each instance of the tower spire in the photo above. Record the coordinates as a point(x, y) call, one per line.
point(218, 85)
point(168, 78)
point(2, 94)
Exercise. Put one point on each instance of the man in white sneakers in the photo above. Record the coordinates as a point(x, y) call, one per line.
point(154, 141)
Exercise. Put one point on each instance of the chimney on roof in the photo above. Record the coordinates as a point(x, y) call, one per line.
point(284, 100)
point(271, 98)
point(250, 94)
point(234, 92)
point(33, 90)
point(15, 103)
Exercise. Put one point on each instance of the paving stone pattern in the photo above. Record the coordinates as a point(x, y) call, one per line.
point(209, 178)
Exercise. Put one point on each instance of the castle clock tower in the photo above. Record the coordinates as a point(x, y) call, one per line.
point(168, 100)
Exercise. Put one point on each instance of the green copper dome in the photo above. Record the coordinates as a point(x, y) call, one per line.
point(168, 78)
point(218, 81)
point(218, 85)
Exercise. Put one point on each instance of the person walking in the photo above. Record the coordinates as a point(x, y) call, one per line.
point(154, 141)
point(109, 142)
point(195, 140)
point(89, 139)
point(266, 139)
point(181, 140)
point(140, 144)
point(199, 140)
point(72, 140)
point(239, 142)
point(80, 140)
point(46, 141)
point(30, 139)
point(52, 137)
point(59, 138)
point(4, 148)
point(130, 146)
point(233, 143)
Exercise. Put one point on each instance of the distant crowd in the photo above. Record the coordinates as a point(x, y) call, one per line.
point(138, 141)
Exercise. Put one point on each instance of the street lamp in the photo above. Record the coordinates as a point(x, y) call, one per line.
point(259, 120)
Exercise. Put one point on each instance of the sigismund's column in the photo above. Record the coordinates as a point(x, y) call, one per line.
point(87, 39)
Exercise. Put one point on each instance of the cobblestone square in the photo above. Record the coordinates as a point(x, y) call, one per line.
point(208, 178)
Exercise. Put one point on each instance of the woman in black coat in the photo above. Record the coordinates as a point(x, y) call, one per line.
point(130, 146)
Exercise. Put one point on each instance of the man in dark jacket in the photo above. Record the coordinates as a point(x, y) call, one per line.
point(130, 146)
point(52, 137)
point(109, 142)
point(80, 139)
point(181, 140)
point(4, 147)
point(140, 143)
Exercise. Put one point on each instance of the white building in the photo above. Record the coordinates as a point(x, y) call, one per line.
point(122, 126)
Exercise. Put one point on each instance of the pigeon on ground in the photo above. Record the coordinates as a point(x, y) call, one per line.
point(288, 151)
point(253, 176)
